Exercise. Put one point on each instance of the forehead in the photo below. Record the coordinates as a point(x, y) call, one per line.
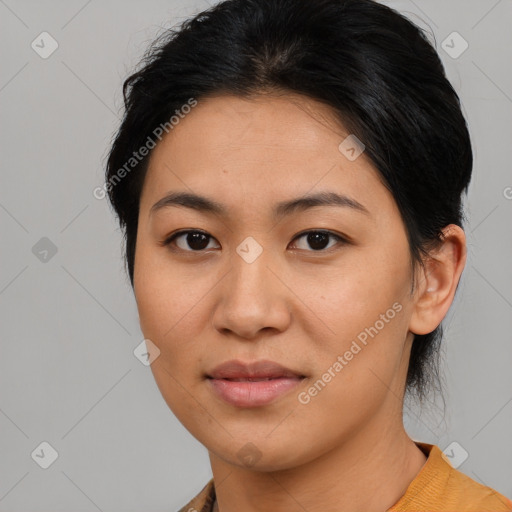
point(270, 120)
point(259, 148)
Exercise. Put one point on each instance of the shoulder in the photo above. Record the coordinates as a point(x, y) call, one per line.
point(470, 495)
point(439, 487)
point(202, 502)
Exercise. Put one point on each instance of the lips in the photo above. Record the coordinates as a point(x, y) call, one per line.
point(252, 384)
point(258, 370)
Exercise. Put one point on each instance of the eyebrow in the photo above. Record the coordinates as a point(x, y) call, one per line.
point(282, 209)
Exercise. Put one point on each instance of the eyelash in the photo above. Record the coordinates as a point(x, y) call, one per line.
point(168, 241)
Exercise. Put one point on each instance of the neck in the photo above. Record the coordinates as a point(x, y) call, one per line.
point(369, 473)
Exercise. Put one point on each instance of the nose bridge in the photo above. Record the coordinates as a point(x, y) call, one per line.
point(249, 271)
point(252, 297)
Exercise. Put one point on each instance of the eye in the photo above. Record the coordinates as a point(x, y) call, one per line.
point(317, 239)
point(197, 240)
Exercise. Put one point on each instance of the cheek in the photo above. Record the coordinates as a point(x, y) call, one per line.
point(161, 291)
point(356, 367)
point(366, 311)
point(354, 297)
point(168, 316)
point(173, 313)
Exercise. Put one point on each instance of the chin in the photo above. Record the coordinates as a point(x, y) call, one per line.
point(259, 455)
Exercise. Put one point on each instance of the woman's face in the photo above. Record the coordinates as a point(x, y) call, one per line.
point(255, 286)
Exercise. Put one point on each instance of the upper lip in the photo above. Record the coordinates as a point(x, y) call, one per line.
point(236, 369)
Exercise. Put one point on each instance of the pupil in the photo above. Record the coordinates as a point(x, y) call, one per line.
point(195, 238)
point(318, 240)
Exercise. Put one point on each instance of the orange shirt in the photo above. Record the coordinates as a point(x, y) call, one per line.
point(438, 487)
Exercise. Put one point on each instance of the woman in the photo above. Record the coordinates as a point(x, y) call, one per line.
point(289, 175)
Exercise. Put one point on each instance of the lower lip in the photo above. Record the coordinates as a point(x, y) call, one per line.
point(255, 393)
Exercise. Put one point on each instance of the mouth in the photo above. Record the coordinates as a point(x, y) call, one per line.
point(254, 379)
point(252, 384)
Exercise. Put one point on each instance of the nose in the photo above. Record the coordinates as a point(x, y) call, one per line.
point(252, 297)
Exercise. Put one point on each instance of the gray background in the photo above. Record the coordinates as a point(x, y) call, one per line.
point(69, 325)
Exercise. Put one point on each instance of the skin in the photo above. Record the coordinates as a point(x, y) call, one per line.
point(347, 448)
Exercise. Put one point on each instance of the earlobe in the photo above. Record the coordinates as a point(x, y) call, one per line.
point(438, 281)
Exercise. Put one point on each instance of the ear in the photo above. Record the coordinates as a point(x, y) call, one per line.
point(437, 283)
